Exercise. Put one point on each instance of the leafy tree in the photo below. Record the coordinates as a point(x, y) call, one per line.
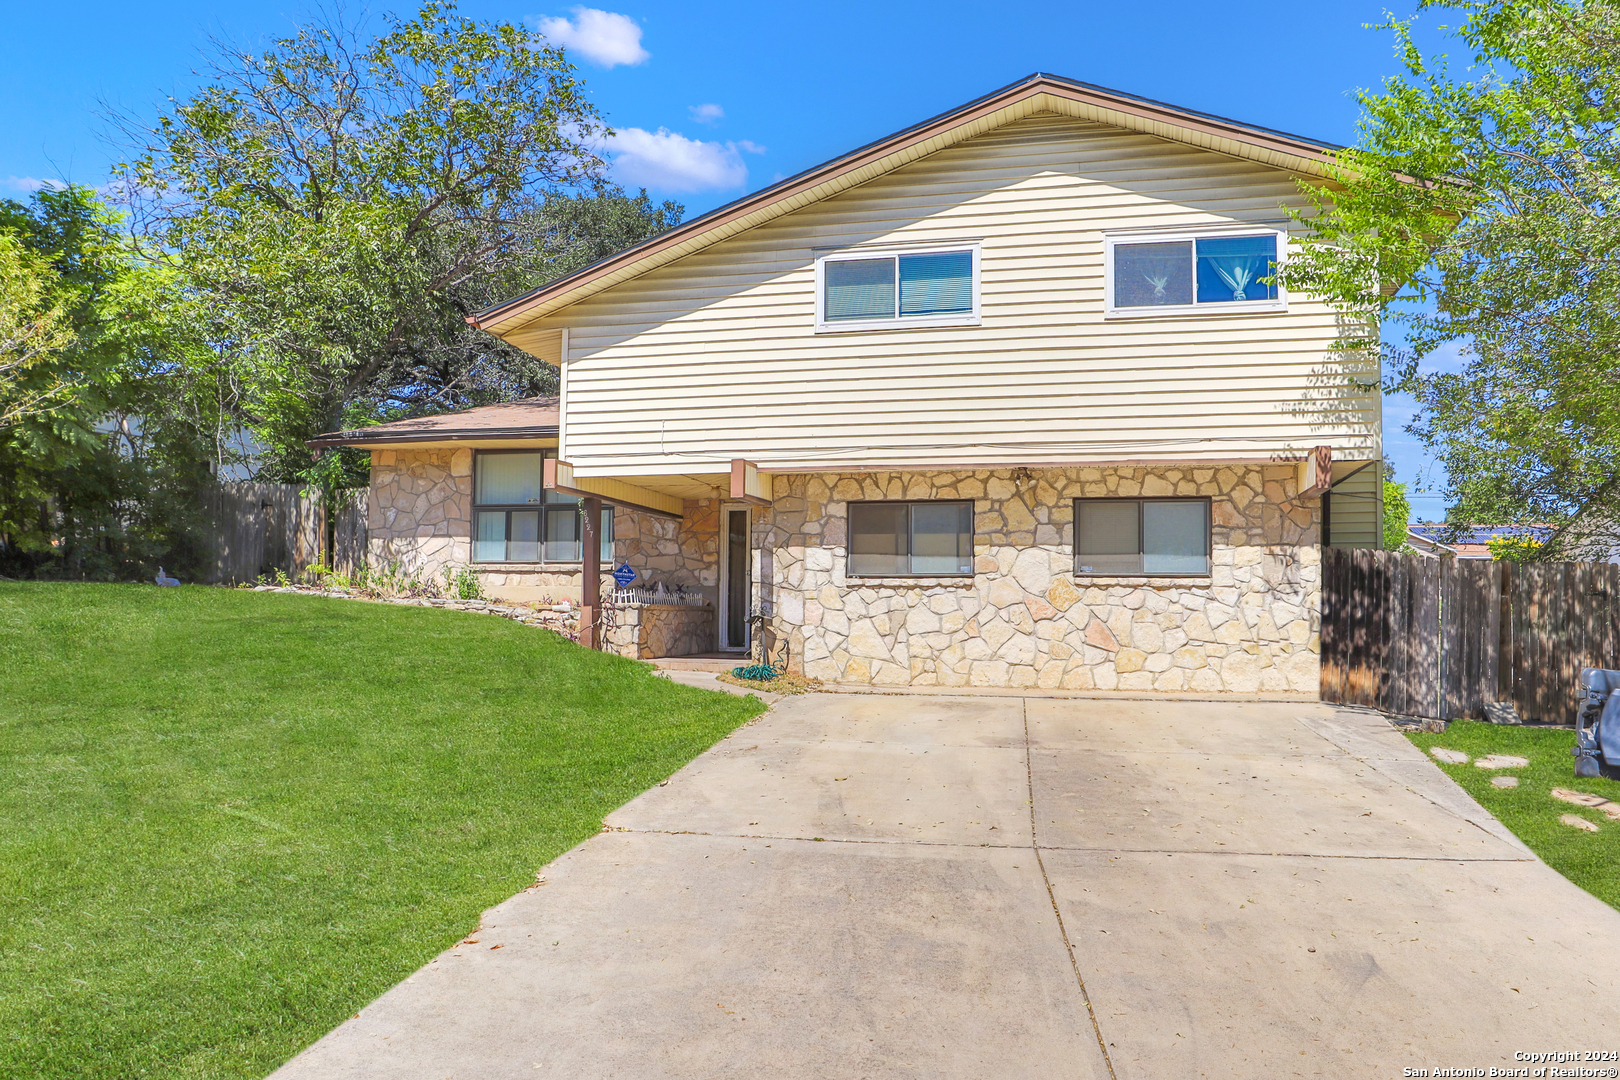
point(33, 330)
point(1490, 197)
point(1397, 515)
point(335, 207)
point(107, 481)
point(563, 232)
point(1523, 548)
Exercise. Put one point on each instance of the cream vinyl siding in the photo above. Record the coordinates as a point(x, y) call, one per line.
point(717, 357)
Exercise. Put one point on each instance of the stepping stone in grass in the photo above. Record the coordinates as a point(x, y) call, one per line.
point(1502, 761)
point(1504, 781)
point(1596, 802)
point(1574, 821)
point(1453, 757)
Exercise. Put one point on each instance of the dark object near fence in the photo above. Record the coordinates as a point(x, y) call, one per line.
point(1597, 725)
point(1444, 638)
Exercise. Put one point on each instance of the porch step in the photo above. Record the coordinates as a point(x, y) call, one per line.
point(715, 662)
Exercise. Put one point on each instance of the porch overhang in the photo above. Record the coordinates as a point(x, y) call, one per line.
point(559, 476)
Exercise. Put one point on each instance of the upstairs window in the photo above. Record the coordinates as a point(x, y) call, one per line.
point(910, 539)
point(871, 291)
point(516, 520)
point(1160, 275)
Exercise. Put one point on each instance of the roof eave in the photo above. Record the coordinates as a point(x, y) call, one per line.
point(355, 438)
point(1306, 154)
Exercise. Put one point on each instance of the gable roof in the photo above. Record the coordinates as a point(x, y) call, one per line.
point(527, 418)
point(1036, 93)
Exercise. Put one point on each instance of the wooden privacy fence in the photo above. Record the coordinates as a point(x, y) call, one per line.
point(261, 528)
point(348, 534)
point(1443, 638)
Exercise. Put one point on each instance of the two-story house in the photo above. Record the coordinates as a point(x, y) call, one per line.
point(1007, 398)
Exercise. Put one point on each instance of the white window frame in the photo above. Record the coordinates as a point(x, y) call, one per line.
point(912, 322)
point(1160, 311)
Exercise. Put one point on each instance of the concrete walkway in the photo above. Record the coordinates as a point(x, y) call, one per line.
point(862, 886)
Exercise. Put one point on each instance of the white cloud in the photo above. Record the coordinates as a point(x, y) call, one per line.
point(30, 184)
point(669, 161)
point(706, 114)
point(603, 37)
point(750, 147)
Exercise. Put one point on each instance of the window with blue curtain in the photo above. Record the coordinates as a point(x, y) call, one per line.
point(920, 285)
point(1230, 268)
point(1200, 270)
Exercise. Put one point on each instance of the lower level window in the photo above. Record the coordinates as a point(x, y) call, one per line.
point(516, 520)
point(910, 539)
point(1141, 536)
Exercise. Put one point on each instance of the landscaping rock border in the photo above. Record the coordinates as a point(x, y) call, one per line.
point(559, 618)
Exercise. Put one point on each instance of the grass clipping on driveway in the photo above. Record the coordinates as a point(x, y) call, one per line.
point(785, 683)
point(1589, 859)
point(230, 819)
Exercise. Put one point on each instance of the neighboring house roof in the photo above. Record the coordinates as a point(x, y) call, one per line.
point(528, 418)
point(1038, 93)
point(1473, 542)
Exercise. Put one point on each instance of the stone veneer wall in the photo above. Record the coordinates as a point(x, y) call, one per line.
point(419, 512)
point(649, 631)
point(1024, 619)
point(420, 519)
point(685, 552)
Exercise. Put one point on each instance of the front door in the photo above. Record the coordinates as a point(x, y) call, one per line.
point(736, 585)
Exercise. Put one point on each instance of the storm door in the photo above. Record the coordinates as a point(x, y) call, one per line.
point(736, 584)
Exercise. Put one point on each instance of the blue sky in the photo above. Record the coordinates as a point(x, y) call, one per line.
point(714, 100)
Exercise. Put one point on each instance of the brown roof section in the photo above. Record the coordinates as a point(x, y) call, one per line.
point(529, 418)
point(1144, 113)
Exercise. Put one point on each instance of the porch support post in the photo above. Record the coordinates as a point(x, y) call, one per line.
point(1316, 473)
point(747, 485)
point(590, 573)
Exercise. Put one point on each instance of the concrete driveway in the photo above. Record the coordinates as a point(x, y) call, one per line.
point(924, 886)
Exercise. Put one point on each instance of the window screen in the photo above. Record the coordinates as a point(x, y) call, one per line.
point(1150, 274)
point(1201, 270)
point(1175, 537)
point(1141, 536)
point(923, 285)
point(1108, 537)
point(859, 289)
point(923, 539)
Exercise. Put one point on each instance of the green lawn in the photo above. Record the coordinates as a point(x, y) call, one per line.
point(1590, 860)
point(229, 819)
